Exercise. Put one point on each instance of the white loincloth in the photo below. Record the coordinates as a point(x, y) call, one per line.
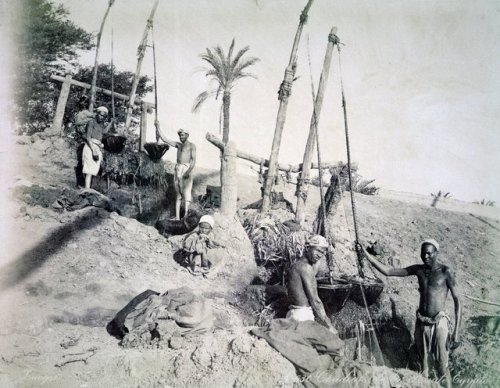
point(183, 186)
point(300, 313)
point(91, 166)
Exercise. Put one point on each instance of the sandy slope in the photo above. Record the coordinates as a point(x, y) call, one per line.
point(64, 275)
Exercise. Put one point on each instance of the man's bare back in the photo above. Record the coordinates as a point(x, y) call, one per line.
point(300, 273)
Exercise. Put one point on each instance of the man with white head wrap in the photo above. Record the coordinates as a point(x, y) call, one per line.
point(92, 154)
point(197, 244)
point(432, 328)
point(186, 160)
point(305, 304)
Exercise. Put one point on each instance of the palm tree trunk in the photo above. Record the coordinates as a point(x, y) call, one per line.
point(226, 103)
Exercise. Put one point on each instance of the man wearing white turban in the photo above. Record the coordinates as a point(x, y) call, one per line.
point(433, 326)
point(186, 160)
point(92, 154)
point(305, 304)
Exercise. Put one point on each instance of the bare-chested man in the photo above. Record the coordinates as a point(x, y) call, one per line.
point(432, 329)
point(305, 303)
point(183, 178)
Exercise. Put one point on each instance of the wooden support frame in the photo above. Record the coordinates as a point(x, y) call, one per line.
point(67, 82)
point(262, 161)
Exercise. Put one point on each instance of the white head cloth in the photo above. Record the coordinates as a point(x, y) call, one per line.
point(208, 219)
point(102, 109)
point(432, 242)
point(317, 241)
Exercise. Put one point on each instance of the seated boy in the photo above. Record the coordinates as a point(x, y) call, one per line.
point(197, 243)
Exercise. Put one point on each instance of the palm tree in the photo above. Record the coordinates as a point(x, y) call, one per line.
point(225, 71)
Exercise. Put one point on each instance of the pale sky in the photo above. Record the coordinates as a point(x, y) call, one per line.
point(421, 79)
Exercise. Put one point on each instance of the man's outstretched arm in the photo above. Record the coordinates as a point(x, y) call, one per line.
point(170, 142)
point(384, 269)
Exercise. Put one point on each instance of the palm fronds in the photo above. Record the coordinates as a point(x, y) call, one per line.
point(273, 241)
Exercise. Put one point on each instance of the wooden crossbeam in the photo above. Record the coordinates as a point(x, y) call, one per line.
point(84, 85)
point(261, 161)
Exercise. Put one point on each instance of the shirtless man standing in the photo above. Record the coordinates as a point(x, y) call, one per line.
point(432, 329)
point(305, 303)
point(186, 159)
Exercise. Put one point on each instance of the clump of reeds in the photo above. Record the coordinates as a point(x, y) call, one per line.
point(273, 241)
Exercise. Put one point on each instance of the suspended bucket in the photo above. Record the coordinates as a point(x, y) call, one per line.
point(155, 151)
point(372, 289)
point(334, 295)
point(114, 143)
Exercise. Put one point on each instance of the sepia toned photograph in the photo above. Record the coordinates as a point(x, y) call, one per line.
point(250, 193)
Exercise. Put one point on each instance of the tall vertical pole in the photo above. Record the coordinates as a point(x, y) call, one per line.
point(98, 46)
point(283, 94)
point(57, 124)
point(303, 182)
point(140, 56)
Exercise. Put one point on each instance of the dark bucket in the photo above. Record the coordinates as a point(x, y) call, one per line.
point(334, 296)
point(114, 143)
point(372, 289)
point(156, 151)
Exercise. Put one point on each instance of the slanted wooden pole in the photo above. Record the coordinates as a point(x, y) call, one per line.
point(229, 185)
point(284, 93)
point(57, 127)
point(98, 46)
point(140, 56)
point(303, 181)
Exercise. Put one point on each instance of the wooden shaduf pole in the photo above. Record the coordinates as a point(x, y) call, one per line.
point(303, 181)
point(98, 46)
point(140, 56)
point(283, 94)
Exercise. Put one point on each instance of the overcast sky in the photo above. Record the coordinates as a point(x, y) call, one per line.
point(421, 79)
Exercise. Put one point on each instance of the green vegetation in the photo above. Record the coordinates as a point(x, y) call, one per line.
point(48, 43)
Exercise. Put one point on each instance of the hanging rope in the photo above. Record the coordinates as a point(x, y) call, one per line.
point(353, 203)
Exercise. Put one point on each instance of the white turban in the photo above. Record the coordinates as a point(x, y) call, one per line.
point(432, 242)
point(317, 241)
point(182, 130)
point(102, 109)
point(208, 219)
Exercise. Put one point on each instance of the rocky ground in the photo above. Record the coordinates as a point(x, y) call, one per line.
point(66, 273)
